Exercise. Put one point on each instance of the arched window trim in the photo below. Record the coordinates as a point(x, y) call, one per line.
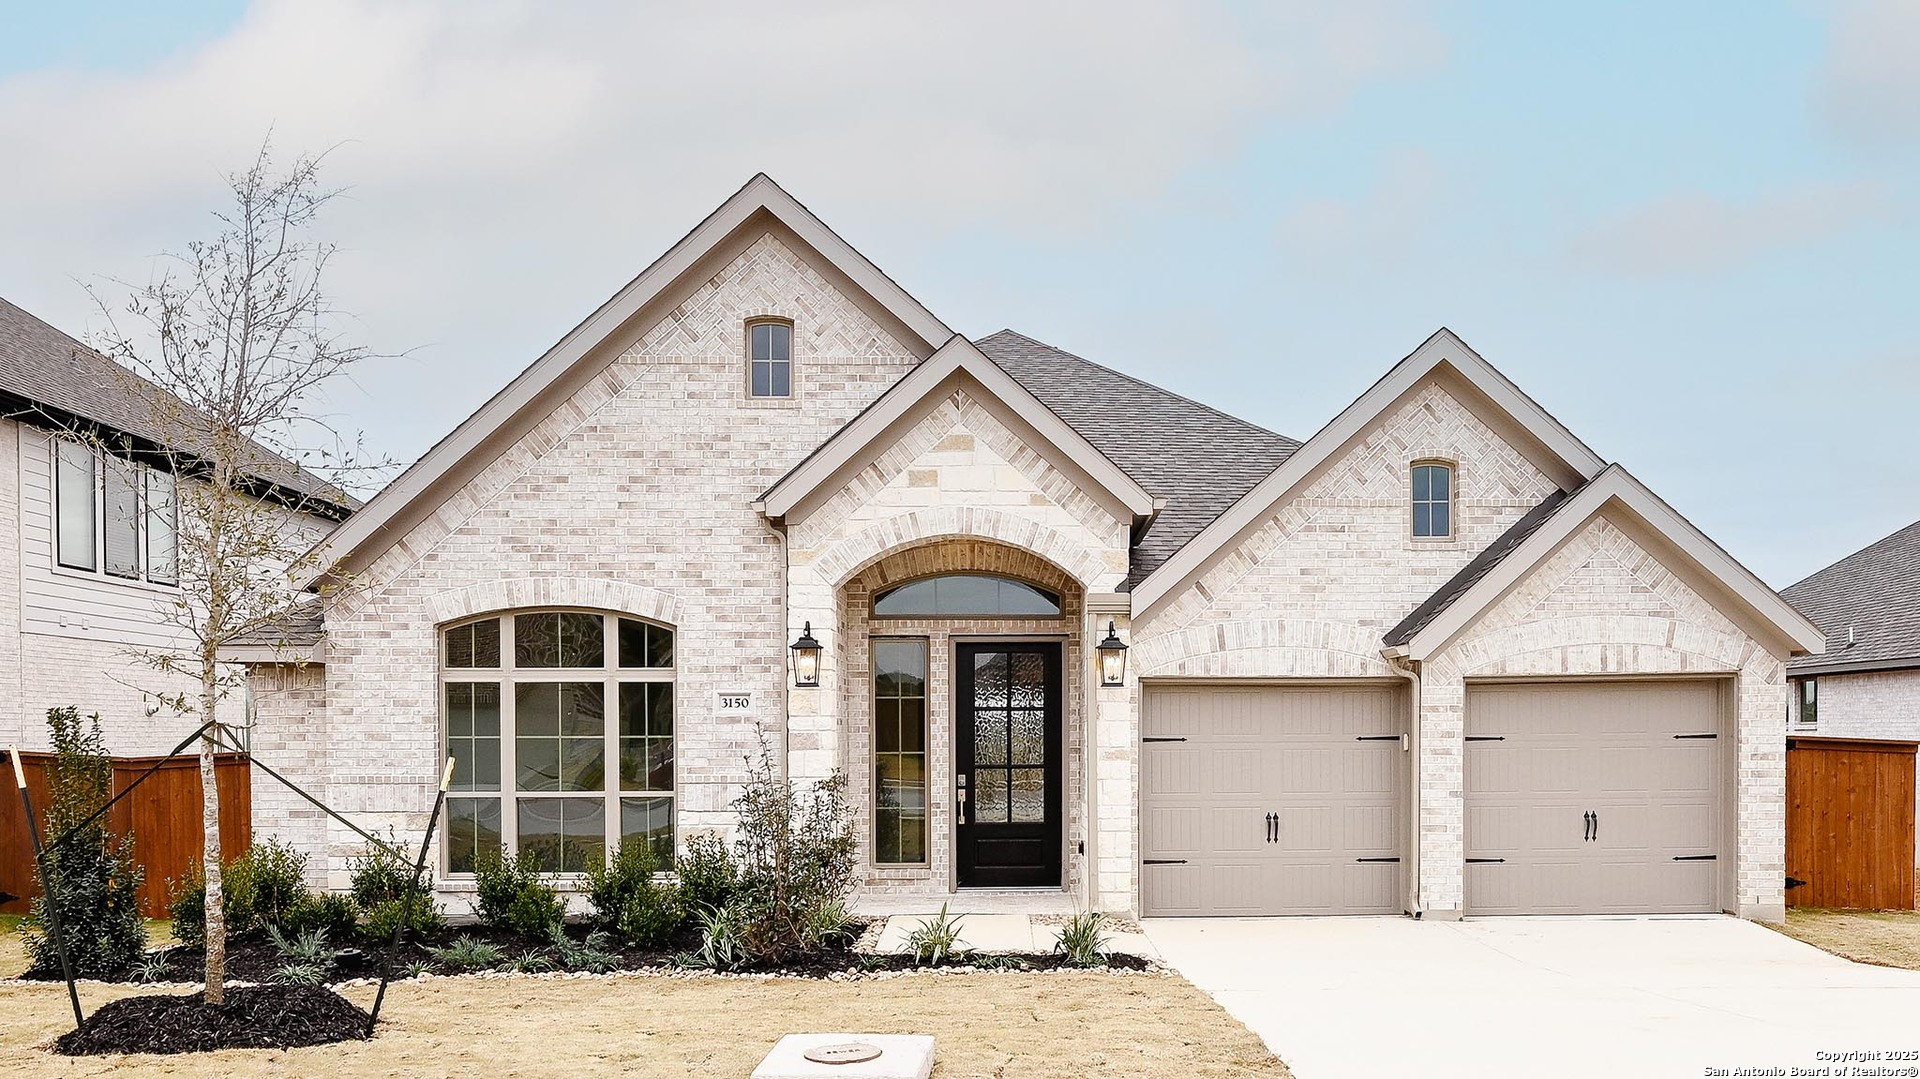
point(492, 696)
point(1052, 596)
point(1448, 505)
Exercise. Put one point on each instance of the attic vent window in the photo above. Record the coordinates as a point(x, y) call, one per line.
point(770, 359)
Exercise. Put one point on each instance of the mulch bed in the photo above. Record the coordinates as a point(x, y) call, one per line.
point(253, 1017)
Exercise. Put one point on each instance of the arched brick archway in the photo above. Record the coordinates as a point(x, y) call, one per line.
point(854, 553)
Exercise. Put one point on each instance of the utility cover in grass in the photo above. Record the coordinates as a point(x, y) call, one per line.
point(254, 1017)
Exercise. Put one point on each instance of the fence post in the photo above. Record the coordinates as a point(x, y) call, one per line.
point(406, 903)
point(46, 890)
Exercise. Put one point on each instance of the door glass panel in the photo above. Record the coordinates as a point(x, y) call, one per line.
point(899, 751)
point(990, 796)
point(990, 680)
point(1029, 737)
point(1029, 794)
point(1029, 680)
point(989, 739)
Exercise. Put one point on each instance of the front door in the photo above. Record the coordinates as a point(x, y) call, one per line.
point(1007, 756)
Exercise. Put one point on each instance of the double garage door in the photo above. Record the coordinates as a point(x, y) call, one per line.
point(1580, 798)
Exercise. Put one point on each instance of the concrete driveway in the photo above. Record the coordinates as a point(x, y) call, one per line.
point(1491, 998)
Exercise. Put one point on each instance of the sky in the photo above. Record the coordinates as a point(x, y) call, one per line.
point(1687, 230)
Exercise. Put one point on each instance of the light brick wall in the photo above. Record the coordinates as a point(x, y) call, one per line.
point(1872, 704)
point(1603, 606)
point(108, 678)
point(290, 735)
point(645, 478)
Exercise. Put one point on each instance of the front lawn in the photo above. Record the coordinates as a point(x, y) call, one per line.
point(1129, 1026)
point(1888, 938)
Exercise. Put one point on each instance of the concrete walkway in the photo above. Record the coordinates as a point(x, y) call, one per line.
point(1017, 933)
point(1512, 997)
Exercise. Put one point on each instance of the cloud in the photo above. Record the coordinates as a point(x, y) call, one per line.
point(1381, 226)
point(1869, 85)
point(1696, 233)
point(512, 163)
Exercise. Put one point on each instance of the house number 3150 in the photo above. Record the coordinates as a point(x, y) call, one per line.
point(733, 702)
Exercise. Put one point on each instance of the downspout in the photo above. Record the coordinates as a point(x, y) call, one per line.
point(1410, 670)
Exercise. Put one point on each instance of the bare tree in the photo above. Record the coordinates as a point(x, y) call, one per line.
point(239, 333)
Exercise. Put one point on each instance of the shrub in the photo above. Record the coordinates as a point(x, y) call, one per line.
point(90, 880)
point(263, 885)
point(420, 914)
point(830, 924)
point(707, 875)
point(188, 909)
point(936, 939)
point(381, 874)
point(512, 895)
point(793, 857)
point(1082, 942)
point(309, 947)
point(721, 943)
point(590, 956)
point(334, 915)
point(469, 953)
point(627, 899)
point(300, 974)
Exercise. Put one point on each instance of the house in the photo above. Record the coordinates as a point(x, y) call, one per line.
point(1867, 682)
point(1073, 639)
point(89, 533)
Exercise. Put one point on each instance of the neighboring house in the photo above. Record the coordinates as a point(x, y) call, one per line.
point(88, 540)
point(1867, 683)
point(1439, 658)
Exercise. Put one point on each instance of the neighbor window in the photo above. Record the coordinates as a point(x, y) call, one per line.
point(771, 358)
point(900, 751)
point(1433, 500)
point(560, 726)
point(962, 595)
point(1810, 701)
point(113, 515)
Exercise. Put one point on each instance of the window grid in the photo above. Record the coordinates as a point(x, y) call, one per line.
point(552, 720)
point(900, 750)
point(770, 359)
point(1432, 501)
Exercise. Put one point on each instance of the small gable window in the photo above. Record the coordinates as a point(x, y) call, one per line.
point(770, 363)
point(1433, 500)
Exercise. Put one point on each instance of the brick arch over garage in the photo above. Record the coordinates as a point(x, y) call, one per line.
point(1262, 648)
point(839, 562)
point(1601, 644)
point(514, 592)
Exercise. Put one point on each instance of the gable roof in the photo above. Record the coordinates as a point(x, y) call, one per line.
point(50, 379)
point(1443, 351)
point(518, 400)
point(958, 355)
point(1469, 596)
point(1874, 594)
point(1196, 460)
point(1473, 572)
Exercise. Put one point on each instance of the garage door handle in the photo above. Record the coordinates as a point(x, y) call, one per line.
point(1163, 861)
point(1586, 826)
point(1696, 736)
point(1376, 859)
point(1484, 861)
point(1273, 827)
point(1596, 825)
point(1486, 737)
point(1696, 857)
point(1163, 739)
point(1377, 738)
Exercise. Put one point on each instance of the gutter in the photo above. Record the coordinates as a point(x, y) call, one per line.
point(1410, 670)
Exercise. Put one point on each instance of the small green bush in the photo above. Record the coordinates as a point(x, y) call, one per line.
point(381, 874)
point(794, 856)
point(722, 942)
point(264, 885)
point(513, 895)
point(937, 939)
point(591, 956)
point(706, 871)
point(628, 899)
point(420, 914)
point(335, 915)
point(1083, 943)
point(187, 906)
point(90, 879)
point(469, 953)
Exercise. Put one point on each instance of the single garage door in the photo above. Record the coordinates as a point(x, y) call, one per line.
point(1273, 800)
point(1593, 797)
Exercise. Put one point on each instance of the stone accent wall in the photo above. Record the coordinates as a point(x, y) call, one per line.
point(640, 485)
point(1871, 704)
point(1603, 606)
point(936, 879)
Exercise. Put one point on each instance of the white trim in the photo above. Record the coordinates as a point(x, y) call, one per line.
point(957, 355)
point(269, 655)
point(1615, 485)
point(1444, 348)
point(760, 193)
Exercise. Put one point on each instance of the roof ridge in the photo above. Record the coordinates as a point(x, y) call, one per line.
point(1249, 424)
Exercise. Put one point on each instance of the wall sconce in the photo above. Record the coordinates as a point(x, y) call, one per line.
point(805, 654)
point(1113, 658)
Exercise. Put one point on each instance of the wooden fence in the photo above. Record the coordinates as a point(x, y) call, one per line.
point(162, 815)
point(1850, 823)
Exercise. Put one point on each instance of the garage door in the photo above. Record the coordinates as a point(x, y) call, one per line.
point(1272, 800)
point(1593, 798)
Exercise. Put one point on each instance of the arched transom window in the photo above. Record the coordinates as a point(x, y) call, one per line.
point(966, 595)
point(560, 725)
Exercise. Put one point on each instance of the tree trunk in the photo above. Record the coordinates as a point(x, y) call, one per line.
point(210, 829)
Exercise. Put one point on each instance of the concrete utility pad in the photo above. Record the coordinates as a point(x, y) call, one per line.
point(1499, 997)
point(902, 1056)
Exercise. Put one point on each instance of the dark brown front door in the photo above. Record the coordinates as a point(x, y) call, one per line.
point(1008, 755)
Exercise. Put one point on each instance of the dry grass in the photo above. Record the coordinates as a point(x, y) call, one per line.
point(987, 1024)
point(13, 949)
point(1888, 938)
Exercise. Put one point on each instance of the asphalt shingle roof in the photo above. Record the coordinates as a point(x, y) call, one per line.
point(43, 370)
point(1472, 573)
point(1199, 459)
point(1875, 592)
point(303, 626)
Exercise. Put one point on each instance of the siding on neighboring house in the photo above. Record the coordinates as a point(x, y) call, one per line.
point(1870, 704)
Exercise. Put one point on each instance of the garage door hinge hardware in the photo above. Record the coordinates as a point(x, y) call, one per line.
point(1696, 857)
point(1376, 859)
point(1163, 861)
point(1483, 861)
point(1696, 736)
point(1377, 738)
point(1163, 739)
point(1486, 737)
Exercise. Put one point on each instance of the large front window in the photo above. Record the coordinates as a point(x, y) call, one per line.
point(560, 725)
